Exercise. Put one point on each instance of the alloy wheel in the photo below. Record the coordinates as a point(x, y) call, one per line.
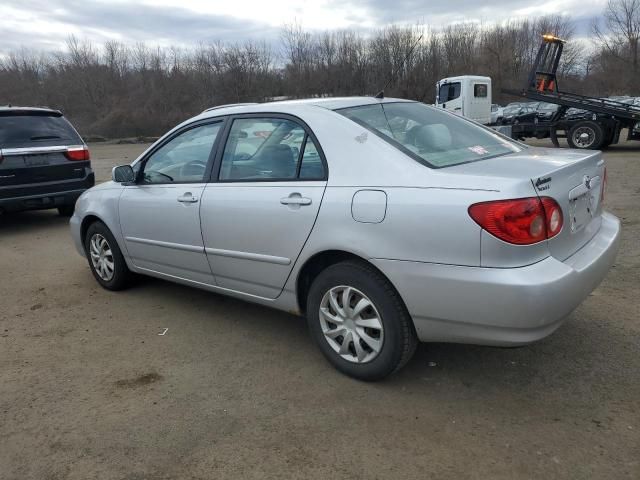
point(351, 324)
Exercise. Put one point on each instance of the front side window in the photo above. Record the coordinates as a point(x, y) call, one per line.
point(430, 135)
point(449, 91)
point(269, 149)
point(184, 158)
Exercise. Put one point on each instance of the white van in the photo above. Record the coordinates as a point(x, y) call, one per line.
point(466, 95)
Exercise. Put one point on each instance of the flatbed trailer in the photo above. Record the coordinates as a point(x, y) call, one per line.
point(598, 128)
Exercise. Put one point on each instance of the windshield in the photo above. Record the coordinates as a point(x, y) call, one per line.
point(548, 106)
point(429, 135)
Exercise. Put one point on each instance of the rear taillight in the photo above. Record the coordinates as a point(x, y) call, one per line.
point(604, 185)
point(521, 221)
point(77, 153)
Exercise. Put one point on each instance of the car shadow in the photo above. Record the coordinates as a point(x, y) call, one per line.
point(580, 356)
point(30, 220)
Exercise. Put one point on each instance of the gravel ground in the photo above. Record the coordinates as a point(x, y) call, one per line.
point(88, 389)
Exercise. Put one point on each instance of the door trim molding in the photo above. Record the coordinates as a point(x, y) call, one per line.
point(158, 243)
point(258, 257)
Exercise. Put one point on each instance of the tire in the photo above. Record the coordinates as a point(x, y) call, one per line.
point(586, 135)
point(394, 342)
point(107, 247)
point(66, 210)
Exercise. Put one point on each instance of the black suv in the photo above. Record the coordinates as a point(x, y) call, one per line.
point(44, 163)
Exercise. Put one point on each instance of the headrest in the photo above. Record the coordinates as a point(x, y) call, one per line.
point(433, 137)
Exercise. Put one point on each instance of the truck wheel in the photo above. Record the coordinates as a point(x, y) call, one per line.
point(608, 140)
point(586, 135)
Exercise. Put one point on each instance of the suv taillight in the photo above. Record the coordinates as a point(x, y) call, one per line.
point(77, 153)
point(521, 221)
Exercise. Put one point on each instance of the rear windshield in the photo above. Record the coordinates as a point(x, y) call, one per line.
point(431, 136)
point(25, 130)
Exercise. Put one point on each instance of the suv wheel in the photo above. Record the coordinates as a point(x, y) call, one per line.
point(66, 210)
point(359, 321)
point(105, 258)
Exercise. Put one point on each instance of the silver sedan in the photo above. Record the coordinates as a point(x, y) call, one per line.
point(383, 222)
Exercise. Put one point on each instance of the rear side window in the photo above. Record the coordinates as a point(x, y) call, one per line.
point(480, 90)
point(270, 149)
point(28, 130)
point(431, 136)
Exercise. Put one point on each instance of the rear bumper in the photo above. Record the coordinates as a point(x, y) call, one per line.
point(501, 306)
point(44, 195)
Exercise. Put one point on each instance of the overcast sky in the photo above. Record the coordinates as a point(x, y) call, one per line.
point(45, 24)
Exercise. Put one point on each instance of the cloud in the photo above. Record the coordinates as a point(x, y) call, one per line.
point(43, 24)
point(46, 24)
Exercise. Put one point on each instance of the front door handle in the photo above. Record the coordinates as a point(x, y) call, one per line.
point(187, 198)
point(295, 199)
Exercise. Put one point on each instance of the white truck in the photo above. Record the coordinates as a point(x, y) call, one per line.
point(466, 95)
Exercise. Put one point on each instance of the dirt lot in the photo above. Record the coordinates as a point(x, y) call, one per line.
point(88, 389)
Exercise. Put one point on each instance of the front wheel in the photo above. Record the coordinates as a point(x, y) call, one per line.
point(586, 135)
point(359, 321)
point(105, 258)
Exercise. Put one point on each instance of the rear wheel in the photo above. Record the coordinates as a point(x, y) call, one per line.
point(66, 210)
point(105, 258)
point(586, 135)
point(359, 321)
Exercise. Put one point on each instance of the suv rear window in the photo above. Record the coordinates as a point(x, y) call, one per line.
point(429, 135)
point(26, 129)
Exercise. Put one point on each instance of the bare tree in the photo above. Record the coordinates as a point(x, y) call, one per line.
point(620, 34)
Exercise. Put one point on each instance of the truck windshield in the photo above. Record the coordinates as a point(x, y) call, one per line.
point(429, 135)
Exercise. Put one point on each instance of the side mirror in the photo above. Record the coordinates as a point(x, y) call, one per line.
point(123, 174)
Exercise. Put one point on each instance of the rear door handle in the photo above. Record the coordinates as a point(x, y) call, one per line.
point(295, 199)
point(188, 198)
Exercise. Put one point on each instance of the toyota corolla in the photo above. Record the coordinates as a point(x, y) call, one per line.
point(384, 222)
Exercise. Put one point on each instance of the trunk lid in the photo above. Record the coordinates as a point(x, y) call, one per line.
point(573, 178)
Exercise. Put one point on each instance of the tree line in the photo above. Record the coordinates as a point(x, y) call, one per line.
point(120, 90)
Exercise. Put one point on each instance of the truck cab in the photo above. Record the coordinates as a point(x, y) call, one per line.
point(466, 95)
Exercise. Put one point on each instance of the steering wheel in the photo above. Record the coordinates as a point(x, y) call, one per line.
point(196, 165)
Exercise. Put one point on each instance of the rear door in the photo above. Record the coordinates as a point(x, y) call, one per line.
point(259, 211)
point(39, 147)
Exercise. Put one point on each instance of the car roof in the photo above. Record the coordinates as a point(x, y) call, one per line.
point(329, 103)
point(7, 109)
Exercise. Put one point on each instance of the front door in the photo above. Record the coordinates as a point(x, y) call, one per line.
point(259, 213)
point(159, 215)
point(449, 97)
